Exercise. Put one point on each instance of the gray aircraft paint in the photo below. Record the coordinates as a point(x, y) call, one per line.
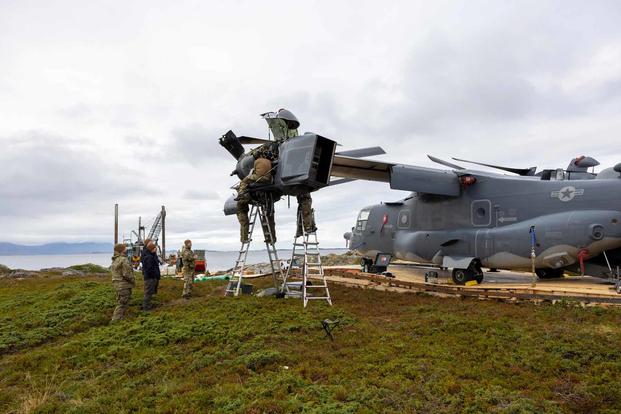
point(490, 219)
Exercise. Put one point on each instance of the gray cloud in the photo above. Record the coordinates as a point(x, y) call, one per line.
point(44, 170)
point(201, 195)
point(520, 84)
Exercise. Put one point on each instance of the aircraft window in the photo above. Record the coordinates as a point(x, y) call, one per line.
point(558, 175)
point(363, 218)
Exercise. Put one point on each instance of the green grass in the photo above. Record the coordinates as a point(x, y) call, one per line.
point(392, 353)
point(89, 268)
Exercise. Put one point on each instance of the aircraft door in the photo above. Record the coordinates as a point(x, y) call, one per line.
point(484, 242)
point(362, 221)
point(481, 213)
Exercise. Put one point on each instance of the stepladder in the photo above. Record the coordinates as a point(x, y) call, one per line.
point(305, 277)
point(264, 210)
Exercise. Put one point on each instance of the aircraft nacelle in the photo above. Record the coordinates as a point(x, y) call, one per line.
point(304, 165)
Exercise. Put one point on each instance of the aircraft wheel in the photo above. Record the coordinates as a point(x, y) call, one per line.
point(461, 276)
point(549, 273)
point(363, 265)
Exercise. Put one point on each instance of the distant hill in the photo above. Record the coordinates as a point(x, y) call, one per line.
point(10, 249)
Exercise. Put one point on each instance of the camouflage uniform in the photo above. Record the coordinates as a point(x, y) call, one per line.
point(268, 151)
point(123, 281)
point(280, 130)
point(305, 209)
point(187, 255)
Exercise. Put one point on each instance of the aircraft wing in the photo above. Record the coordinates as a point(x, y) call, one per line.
point(400, 177)
point(347, 167)
point(424, 180)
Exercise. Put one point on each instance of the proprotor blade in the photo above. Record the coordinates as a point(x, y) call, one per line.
point(519, 171)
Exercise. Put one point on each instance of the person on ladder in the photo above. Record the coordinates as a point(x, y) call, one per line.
point(305, 212)
point(284, 125)
point(261, 174)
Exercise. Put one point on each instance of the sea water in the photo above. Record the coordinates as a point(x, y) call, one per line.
point(216, 260)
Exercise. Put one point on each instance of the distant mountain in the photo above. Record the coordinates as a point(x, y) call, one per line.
point(10, 249)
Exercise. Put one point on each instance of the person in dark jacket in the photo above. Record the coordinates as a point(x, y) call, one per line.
point(151, 272)
point(144, 252)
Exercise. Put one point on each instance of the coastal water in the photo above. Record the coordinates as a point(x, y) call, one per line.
point(216, 260)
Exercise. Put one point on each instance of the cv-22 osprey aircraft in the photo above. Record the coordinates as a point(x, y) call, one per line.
point(466, 220)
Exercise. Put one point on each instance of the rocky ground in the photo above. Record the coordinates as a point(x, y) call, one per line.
point(348, 258)
point(77, 270)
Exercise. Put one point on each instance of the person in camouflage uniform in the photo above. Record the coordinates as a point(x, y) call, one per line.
point(305, 209)
point(188, 257)
point(264, 156)
point(123, 281)
point(284, 125)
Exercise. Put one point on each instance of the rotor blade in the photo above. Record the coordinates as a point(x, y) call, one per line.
point(446, 163)
point(341, 181)
point(362, 152)
point(519, 171)
point(251, 140)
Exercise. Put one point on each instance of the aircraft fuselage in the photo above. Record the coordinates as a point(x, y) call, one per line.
point(491, 220)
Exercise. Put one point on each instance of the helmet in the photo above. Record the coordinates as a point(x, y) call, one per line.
point(289, 118)
point(284, 114)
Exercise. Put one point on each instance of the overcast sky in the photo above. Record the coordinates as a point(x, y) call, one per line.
point(123, 102)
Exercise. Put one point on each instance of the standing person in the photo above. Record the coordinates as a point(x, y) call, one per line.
point(151, 272)
point(188, 257)
point(123, 280)
point(144, 252)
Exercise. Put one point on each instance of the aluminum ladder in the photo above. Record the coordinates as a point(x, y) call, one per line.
point(307, 259)
point(235, 282)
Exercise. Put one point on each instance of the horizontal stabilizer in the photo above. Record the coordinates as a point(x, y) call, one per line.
point(362, 152)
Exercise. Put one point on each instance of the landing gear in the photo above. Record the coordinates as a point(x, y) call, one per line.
point(365, 265)
point(549, 273)
point(377, 266)
point(461, 276)
point(473, 272)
